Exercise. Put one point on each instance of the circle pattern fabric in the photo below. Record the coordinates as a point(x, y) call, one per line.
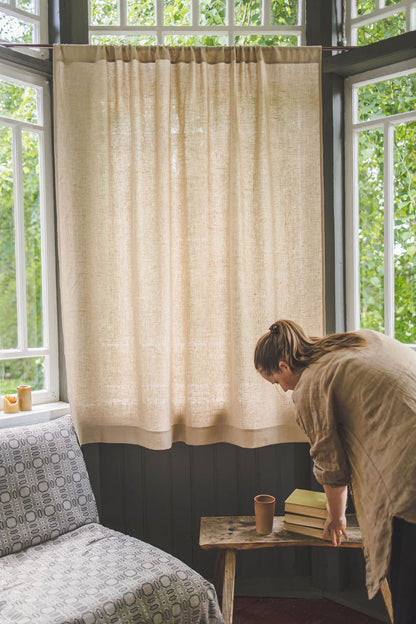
point(95, 575)
point(44, 485)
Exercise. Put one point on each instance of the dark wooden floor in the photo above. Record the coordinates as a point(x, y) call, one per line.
point(295, 611)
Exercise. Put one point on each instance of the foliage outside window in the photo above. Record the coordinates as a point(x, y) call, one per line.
point(207, 22)
point(28, 343)
point(369, 21)
point(24, 21)
point(382, 204)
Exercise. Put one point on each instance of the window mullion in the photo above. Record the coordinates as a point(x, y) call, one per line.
point(267, 13)
point(195, 12)
point(159, 21)
point(389, 228)
point(123, 12)
point(352, 277)
point(19, 240)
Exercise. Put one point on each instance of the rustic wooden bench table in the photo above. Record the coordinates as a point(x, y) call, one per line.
point(227, 534)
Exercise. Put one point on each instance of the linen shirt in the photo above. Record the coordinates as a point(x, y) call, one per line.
point(357, 407)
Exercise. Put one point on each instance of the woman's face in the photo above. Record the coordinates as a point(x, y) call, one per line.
point(284, 377)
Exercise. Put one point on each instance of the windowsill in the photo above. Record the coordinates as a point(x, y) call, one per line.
point(39, 413)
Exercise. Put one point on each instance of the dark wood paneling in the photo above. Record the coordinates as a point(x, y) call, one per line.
point(160, 496)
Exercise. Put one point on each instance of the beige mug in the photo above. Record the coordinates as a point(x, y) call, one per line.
point(24, 394)
point(264, 506)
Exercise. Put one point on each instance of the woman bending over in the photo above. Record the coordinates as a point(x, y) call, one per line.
point(355, 399)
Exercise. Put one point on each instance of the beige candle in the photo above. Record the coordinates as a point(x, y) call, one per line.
point(24, 394)
point(11, 404)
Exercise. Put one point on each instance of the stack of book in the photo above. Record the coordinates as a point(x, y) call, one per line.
point(305, 513)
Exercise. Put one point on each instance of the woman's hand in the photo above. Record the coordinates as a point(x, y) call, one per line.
point(336, 523)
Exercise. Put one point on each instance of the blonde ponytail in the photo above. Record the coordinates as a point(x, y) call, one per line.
point(286, 341)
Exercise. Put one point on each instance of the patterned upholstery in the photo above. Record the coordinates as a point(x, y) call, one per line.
point(113, 578)
point(57, 566)
point(44, 485)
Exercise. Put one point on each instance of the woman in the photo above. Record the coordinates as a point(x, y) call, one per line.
point(355, 398)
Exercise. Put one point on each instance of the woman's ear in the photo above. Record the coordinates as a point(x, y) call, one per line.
point(284, 367)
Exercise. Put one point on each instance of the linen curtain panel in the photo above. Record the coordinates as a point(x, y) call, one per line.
point(189, 198)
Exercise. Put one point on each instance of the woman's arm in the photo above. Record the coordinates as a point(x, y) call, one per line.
point(336, 523)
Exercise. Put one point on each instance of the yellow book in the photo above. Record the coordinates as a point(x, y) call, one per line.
point(304, 530)
point(319, 523)
point(308, 503)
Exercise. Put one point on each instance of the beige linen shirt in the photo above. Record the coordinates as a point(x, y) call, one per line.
point(357, 407)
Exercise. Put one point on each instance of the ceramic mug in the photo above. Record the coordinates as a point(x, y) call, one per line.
point(264, 506)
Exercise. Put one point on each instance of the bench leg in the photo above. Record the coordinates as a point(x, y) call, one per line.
point(228, 586)
point(385, 590)
point(219, 572)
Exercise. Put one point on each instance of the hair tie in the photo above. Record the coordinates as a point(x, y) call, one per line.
point(274, 329)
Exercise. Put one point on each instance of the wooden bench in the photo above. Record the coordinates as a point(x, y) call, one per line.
point(227, 534)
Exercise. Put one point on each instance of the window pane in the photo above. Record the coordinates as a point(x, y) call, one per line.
point(371, 228)
point(27, 5)
point(405, 232)
point(18, 101)
point(383, 29)
point(8, 308)
point(390, 97)
point(24, 371)
point(285, 12)
point(365, 6)
point(141, 13)
point(212, 12)
point(248, 12)
point(177, 12)
point(206, 40)
point(30, 161)
point(266, 40)
point(16, 30)
point(104, 13)
point(123, 40)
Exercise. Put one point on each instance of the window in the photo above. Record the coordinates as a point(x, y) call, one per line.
point(197, 22)
point(381, 201)
point(368, 21)
point(24, 21)
point(28, 327)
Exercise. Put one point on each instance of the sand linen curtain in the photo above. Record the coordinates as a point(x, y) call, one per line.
point(189, 191)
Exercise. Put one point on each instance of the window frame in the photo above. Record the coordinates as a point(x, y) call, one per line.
point(352, 252)
point(160, 31)
point(50, 348)
point(39, 19)
point(353, 21)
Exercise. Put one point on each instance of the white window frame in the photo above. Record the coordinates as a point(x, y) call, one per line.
point(49, 303)
point(229, 31)
point(352, 253)
point(39, 20)
point(353, 21)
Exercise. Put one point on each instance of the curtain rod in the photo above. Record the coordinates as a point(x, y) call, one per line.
point(50, 47)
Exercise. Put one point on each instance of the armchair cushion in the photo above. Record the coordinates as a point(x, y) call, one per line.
point(44, 485)
point(97, 575)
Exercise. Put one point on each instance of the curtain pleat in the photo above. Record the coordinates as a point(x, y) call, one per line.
point(189, 199)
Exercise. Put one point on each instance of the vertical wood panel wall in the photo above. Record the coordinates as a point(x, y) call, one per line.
point(160, 496)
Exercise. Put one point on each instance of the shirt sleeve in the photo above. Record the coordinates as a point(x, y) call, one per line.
point(316, 414)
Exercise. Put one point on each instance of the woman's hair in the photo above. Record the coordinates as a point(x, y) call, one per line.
point(286, 341)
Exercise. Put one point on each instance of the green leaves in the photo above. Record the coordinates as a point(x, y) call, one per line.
point(371, 214)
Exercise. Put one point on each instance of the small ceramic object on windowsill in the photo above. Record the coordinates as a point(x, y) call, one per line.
point(11, 404)
point(24, 394)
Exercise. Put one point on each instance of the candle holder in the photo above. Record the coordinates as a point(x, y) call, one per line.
point(24, 394)
point(11, 404)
